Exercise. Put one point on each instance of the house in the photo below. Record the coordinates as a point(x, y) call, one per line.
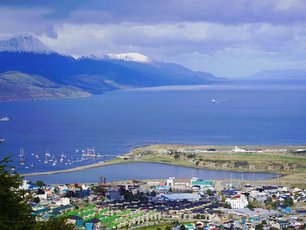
point(63, 201)
point(239, 201)
point(230, 185)
point(178, 183)
point(25, 185)
point(113, 194)
point(181, 197)
point(271, 167)
point(225, 165)
point(207, 184)
point(286, 167)
point(252, 167)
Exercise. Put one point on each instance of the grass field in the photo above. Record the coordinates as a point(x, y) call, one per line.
point(283, 160)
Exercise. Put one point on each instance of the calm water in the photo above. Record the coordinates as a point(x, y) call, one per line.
point(144, 171)
point(117, 121)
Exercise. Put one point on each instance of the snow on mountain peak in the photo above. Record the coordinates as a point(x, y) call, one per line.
point(135, 57)
point(24, 43)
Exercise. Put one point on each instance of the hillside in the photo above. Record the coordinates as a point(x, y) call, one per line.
point(279, 75)
point(20, 86)
point(27, 55)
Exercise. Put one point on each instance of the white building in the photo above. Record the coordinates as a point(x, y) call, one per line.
point(63, 201)
point(25, 185)
point(178, 183)
point(237, 202)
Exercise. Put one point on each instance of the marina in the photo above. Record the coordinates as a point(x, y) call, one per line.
point(37, 161)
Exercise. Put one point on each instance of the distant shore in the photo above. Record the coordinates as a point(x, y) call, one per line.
point(283, 160)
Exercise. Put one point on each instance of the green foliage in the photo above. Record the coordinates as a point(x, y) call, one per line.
point(176, 156)
point(36, 199)
point(226, 205)
point(209, 192)
point(251, 206)
point(153, 193)
point(270, 204)
point(40, 183)
point(182, 227)
point(14, 212)
point(288, 202)
point(54, 223)
point(259, 227)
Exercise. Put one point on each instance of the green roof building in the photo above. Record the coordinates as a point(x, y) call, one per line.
point(202, 183)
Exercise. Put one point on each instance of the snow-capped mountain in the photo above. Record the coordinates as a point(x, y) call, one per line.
point(24, 43)
point(27, 55)
point(135, 57)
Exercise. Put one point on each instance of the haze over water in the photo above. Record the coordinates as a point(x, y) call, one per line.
point(115, 122)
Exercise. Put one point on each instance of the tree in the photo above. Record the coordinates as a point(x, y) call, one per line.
point(153, 193)
point(182, 227)
point(259, 227)
point(36, 199)
point(40, 183)
point(209, 192)
point(15, 213)
point(55, 223)
point(288, 202)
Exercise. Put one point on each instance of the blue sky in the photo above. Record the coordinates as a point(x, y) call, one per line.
point(227, 38)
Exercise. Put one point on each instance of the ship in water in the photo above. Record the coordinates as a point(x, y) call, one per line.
point(4, 119)
point(89, 152)
point(2, 140)
point(21, 156)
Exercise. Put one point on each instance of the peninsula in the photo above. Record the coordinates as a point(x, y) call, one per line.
point(289, 161)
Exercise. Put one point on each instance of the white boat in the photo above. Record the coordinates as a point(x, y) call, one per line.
point(4, 119)
point(21, 156)
point(213, 101)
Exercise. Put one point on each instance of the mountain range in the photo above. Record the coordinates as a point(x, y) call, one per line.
point(26, 63)
point(293, 75)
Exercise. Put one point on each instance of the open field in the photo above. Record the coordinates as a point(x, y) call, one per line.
point(289, 161)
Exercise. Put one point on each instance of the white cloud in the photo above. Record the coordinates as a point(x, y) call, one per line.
point(240, 36)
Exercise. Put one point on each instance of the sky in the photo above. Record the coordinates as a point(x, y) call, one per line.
point(229, 38)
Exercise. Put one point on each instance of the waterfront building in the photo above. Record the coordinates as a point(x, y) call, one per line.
point(203, 184)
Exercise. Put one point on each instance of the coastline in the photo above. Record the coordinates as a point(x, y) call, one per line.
point(160, 154)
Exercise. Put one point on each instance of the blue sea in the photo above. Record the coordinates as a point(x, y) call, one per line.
point(117, 121)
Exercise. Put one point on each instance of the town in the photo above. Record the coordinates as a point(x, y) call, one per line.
point(173, 203)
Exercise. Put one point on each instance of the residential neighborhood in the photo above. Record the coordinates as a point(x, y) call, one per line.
point(173, 203)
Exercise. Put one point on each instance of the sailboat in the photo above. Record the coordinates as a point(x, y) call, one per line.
point(21, 156)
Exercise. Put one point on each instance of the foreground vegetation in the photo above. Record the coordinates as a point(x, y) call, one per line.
point(15, 213)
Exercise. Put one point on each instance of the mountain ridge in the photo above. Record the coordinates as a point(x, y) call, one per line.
point(95, 75)
point(24, 43)
point(20, 86)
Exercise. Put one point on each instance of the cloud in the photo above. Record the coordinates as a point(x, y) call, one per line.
point(241, 36)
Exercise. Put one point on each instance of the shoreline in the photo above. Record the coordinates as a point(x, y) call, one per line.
point(140, 155)
point(97, 165)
